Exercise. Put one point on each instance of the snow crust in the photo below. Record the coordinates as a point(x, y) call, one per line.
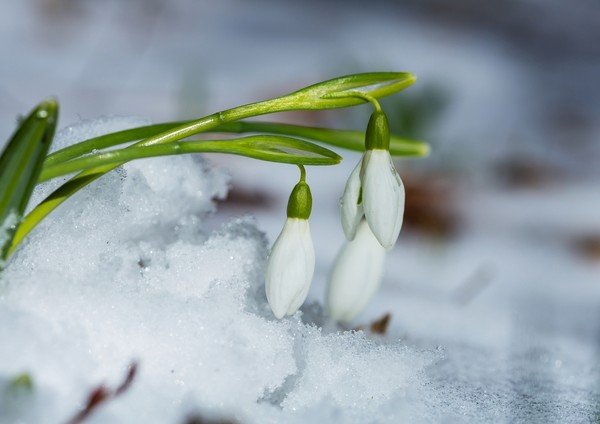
point(127, 270)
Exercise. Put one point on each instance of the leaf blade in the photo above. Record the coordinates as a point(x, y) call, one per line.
point(109, 140)
point(246, 146)
point(21, 164)
point(330, 94)
point(347, 139)
point(270, 148)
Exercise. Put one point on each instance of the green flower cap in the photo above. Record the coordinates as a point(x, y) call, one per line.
point(377, 136)
point(300, 203)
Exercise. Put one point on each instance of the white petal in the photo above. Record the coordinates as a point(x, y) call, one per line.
point(383, 196)
point(352, 212)
point(356, 275)
point(290, 268)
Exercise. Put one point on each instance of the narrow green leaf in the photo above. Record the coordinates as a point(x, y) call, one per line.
point(347, 139)
point(330, 94)
point(108, 140)
point(264, 147)
point(20, 166)
point(50, 203)
point(277, 149)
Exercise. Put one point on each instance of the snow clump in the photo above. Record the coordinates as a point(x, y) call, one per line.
point(127, 270)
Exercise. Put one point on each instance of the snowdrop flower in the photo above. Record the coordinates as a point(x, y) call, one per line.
point(356, 275)
point(374, 189)
point(352, 208)
point(383, 196)
point(291, 263)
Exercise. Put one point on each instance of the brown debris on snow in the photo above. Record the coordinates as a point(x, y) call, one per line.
point(101, 394)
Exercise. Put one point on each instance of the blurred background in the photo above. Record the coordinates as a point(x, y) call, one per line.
point(499, 258)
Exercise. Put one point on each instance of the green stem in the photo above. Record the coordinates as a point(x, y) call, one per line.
point(247, 146)
point(108, 140)
point(302, 173)
point(347, 139)
point(366, 97)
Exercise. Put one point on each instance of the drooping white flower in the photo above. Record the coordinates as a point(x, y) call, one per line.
point(352, 210)
point(382, 196)
point(356, 275)
point(374, 189)
point(291, 264)
point(290, 268)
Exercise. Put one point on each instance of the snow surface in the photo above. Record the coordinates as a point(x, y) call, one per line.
point(129, 270)
point(515, 311)
point(126, 271)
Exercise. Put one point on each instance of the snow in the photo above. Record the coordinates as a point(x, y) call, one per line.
point(129, 270)
point(126, 271)
point(497, 324)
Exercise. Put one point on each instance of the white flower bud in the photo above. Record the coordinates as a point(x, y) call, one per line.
point(382, 196)
point(356, 275)
point(290, 268)
point(352, 211)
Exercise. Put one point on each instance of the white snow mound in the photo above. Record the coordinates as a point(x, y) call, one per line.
point(127, 271)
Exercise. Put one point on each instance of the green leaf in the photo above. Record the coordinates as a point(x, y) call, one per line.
point(347, 139)
point(331, 94)
point(264, 147)
point(275, 149)
point(109, 140)
point(20, 166)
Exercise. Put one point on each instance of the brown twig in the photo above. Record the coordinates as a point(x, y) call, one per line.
point(102, 394)
point(379, 326)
